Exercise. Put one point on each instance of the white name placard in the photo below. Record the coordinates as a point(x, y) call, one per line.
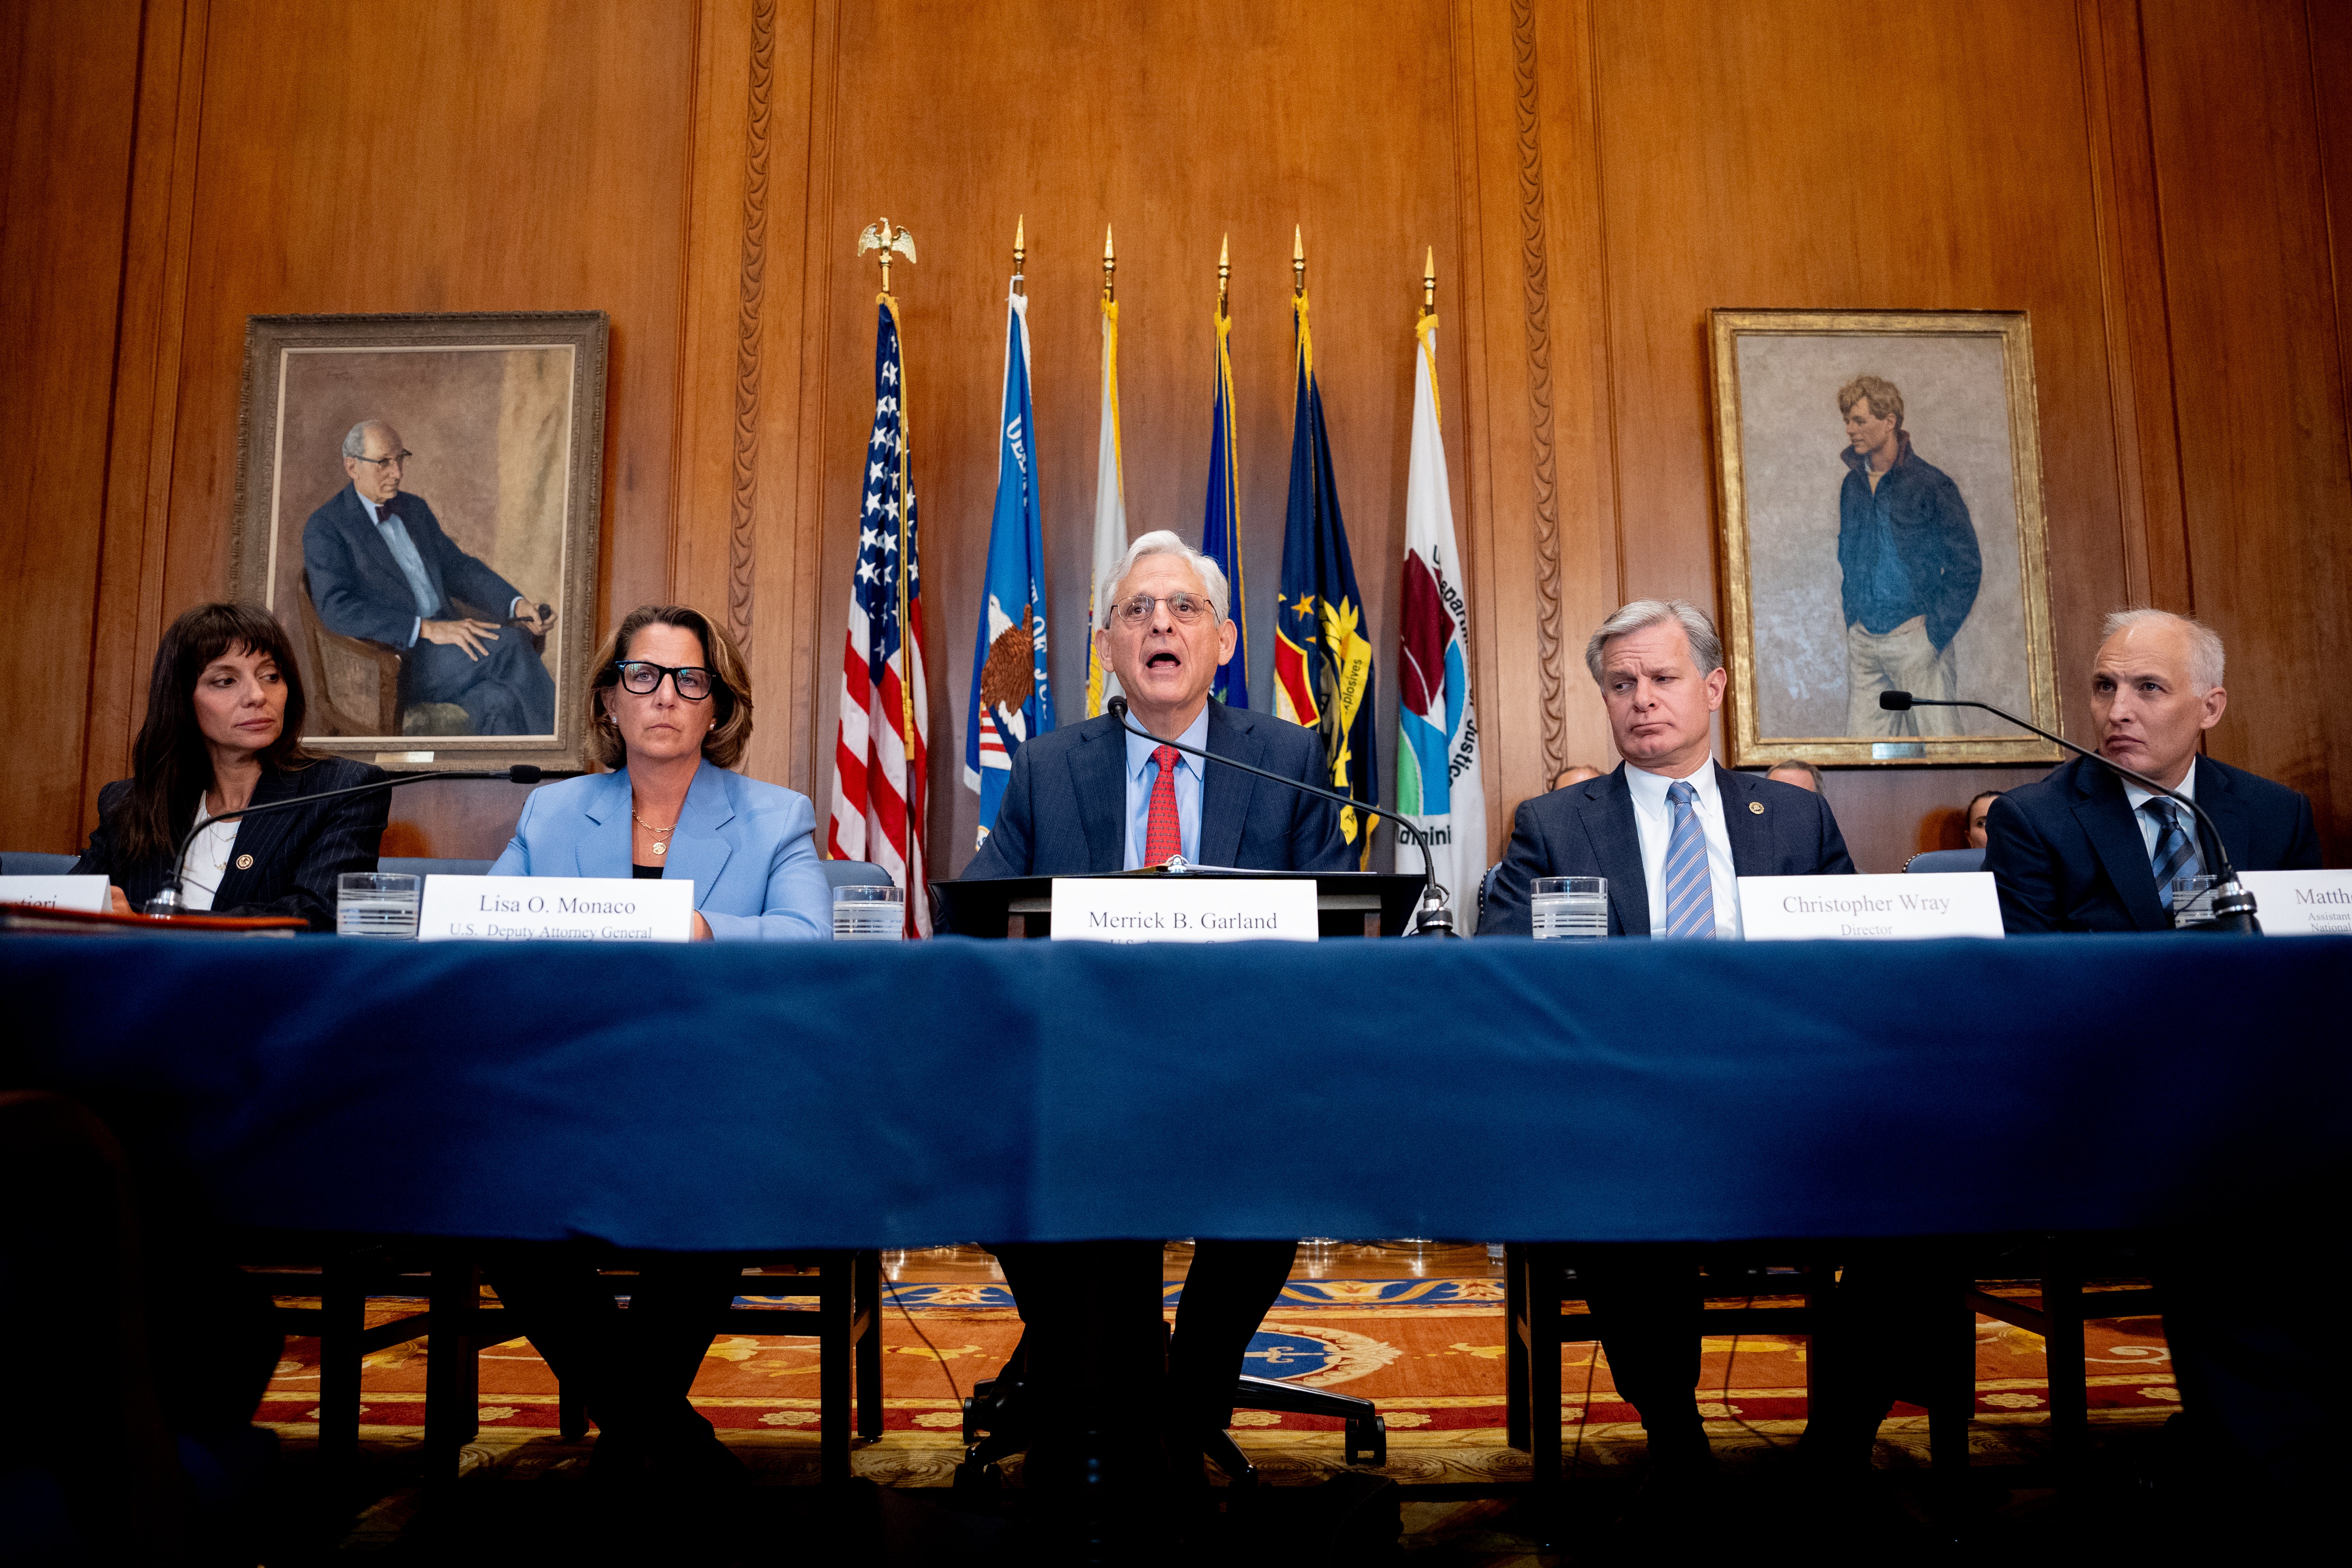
point(2302, 904)
point(1181, 909)
point(1954, 903)
point(87, 894)
point(556, 908)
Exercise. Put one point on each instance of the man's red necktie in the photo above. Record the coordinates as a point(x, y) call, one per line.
point(1163, 834)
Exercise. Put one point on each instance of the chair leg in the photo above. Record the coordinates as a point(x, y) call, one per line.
point(453, 1406)
point(1543, 1298)
point(1515, 1425)
point(835, 1354)
point(570, 1415)
point(868, 1268)
point(342, 1317)
point(1952, 1399)
point(2062, 1305)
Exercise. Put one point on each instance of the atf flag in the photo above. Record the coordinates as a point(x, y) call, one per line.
point(1221, 525)
point(1322, 651)
point(1438, 780)
point(1010, 698)
point(880, 756)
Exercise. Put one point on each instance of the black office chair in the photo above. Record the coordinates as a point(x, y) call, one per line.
point(27, 863)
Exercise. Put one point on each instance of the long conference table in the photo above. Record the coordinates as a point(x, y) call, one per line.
point(742, 1097)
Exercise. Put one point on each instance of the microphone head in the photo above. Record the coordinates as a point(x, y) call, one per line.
point(1117, 708)
point(523, 773)
point(1895, 701)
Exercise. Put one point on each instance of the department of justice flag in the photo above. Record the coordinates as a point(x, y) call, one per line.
point(1011, 699)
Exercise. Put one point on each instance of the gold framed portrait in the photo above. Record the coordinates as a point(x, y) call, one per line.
point(1882, 522)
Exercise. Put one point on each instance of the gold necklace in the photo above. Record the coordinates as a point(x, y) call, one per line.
point(659, 847)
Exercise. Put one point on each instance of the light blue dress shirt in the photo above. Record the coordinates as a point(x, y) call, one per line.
point(1143, 774)
point(395, 534)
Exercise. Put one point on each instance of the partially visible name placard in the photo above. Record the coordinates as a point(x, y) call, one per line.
point(1178, 909)
point(1953, 903)
point(87, 894)
point(2302, 904)
point(556, 908)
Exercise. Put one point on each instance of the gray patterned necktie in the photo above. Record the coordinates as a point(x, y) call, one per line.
point(1690, 891)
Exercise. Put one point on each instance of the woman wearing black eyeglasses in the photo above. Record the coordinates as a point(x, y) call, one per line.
point(669, 708)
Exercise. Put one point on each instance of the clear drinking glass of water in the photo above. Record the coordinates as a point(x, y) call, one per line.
point(2192, 900)
point(377, 904)
point(1570, 906)
point(865, 912)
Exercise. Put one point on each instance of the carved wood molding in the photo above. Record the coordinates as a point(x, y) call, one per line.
point(747, 328)
point(1539, 327)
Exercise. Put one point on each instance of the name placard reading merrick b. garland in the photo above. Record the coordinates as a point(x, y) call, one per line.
point(1961, 904)
point(1182, 908)
point(555, 909)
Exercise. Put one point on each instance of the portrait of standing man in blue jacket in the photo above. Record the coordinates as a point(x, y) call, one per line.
point(1911, 567)
point(380, 568)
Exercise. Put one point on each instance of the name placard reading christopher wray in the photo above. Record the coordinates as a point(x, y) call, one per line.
point(555, 909)
point(2302, 904)
point(1179, 909)
point(1957, 903)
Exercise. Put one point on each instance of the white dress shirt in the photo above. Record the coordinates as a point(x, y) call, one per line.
point(2147, 831)
point(1653, 820)
point(1142, 772)
point(394, 531)
point(207, 861)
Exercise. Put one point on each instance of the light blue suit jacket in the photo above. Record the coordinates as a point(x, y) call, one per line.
point(750, 848)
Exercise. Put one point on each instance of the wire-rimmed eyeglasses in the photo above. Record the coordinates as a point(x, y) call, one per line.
point(645, 677)
point(396, 460)
point(1184, 609)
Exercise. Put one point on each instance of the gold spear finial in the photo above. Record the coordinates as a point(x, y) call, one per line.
point(1111, 264)
point(881, 236)
point(1429, 283)
point(1224, 270)
point(1020, 250)
point(1297, 261)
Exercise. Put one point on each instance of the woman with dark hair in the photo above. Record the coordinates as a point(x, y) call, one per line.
point(224, 731)
point(669, 709)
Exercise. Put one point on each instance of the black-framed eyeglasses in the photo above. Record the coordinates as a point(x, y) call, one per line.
point(645, 677)
point(395, 459)
point(1184, 609)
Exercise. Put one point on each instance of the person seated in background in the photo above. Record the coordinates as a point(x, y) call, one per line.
point(380, 569)
point(1091, 798)
point(669, 708)
point(1796, 771)
point(1575, 773)
point(1673, 832)
point(224, 731)
point(2085, 849)
point(1979, 806)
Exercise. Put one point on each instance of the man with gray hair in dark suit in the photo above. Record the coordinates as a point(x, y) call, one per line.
point(1673, 832)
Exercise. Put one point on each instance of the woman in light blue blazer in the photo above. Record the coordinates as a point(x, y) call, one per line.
point(669, 708)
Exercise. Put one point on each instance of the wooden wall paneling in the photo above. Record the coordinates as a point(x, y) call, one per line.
point(720, 382)
point(68, 72)
point(2139, 333)
point(955, 122)
point(2259, 376)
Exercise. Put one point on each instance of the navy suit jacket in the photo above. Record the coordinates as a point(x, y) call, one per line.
point(1065, 810)
point(359, 590)
point(1587, 830)
point(2067, 854)
point(749, 846)
point(297, 853)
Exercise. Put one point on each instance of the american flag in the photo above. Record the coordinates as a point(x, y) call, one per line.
point(880, 753)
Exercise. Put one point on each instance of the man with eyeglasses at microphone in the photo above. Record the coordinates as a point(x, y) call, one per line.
point(1094, 798)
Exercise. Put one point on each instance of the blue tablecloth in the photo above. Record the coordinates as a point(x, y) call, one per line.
point(740, 1097)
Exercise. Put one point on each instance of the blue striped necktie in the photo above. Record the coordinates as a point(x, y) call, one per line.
point(2176, 852)
point(1690, 891)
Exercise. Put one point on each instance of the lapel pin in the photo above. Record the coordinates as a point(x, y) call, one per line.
point(1757, 806)
point(244, 862)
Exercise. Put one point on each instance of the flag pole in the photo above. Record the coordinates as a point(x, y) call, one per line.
point(1110, 264)
point(1429, 284)
point(1297, 262)
point(1019, 232)
point(1224, 272)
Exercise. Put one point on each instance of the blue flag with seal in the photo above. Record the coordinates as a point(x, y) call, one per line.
point(1221, 522)
point(1323, 673)
point(1011, 699)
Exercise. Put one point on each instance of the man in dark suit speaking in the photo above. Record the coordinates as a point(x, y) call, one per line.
point(2086, 850)
point(1092, 798)
point(380, 568)
point(1672, 833)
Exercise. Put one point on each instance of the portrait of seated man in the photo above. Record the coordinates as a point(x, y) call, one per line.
point(1910, 567)
point(380, 569)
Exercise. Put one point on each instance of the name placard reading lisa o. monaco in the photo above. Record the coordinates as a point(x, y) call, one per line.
point(1952, 904)
point(2302, 904)
point(555, 909)
point(1182, 908)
